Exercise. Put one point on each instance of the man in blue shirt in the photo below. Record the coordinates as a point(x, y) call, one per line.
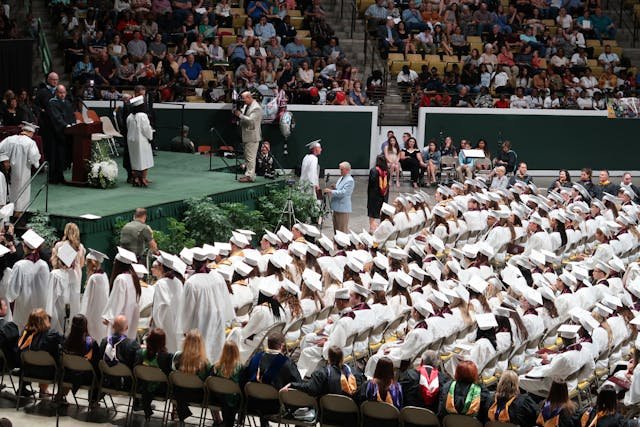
point(465, 166)
point(191, 72)
point(296, 52)
point(603, 26)
point(413, 18)
point(258, 8)
point(264, 30)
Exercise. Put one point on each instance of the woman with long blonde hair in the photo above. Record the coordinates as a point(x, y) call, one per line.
point(72, 237)
point(509, 406)
point(191, 360)
point(229, 367)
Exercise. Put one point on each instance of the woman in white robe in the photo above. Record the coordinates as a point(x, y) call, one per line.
point(59, 293)
point(139, 136)
point(71, 236)
point(124, 297)
point(29, 284)
point(96, 295)
point(167, 299)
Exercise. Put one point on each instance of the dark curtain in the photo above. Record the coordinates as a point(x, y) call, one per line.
point(16, 63)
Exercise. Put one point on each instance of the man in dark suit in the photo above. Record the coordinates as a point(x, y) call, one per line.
point(389, 37)
point(60, 114)
point(118, 348)
point(9, 335)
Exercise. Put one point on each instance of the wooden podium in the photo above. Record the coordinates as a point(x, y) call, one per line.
point(80, 135)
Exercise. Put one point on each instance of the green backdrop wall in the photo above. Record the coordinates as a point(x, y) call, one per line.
point(346, 132)
point(545, 142)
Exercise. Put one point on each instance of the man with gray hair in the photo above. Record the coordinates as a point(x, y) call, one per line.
point(341, 198)
point(423, 385)
point(250, 116)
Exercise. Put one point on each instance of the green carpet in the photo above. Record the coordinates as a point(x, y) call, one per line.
point(175, 176)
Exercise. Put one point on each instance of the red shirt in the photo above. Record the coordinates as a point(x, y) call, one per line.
point(502, 103)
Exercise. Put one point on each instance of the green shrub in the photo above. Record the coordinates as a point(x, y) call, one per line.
point(39, 222)
point(176, 237)
point(305, 205)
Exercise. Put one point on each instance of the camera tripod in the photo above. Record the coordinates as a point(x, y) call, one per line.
point(288, 213)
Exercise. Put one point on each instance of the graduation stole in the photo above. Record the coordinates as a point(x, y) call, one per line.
point(33, 256)
point(89, 349)
point(347, 380)
point(25, 340)
point(444, 310)
point(383, 184)
point(530, 311)
point(500, 412)
point(549, 417)
point(471, 401)
point(393, 397)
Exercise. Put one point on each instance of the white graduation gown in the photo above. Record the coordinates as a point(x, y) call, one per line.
point(206, 306)
point(310, 171)
point(123, 301)
point(248, 337)
point(166, 303)
point(94, 301)
point(632, 396)
point(415, 341)
point(23, 154)
point(59, 294)
point(29, 288)
point(311, 353)
point(4, 285)
point(3, 190)
point(75, 277)
point(139, 136)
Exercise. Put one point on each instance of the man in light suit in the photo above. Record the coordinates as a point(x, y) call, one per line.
point(250, 121)
point(341, 198)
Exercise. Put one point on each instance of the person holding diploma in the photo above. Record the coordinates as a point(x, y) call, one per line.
point(139, 136)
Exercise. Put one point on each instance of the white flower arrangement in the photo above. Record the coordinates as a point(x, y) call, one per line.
point(103, 173)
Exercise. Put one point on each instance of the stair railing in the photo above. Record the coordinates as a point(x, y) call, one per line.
point(44, 168)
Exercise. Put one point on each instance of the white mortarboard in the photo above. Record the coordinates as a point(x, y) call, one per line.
point(354, 238)
point(589, 323)
point(341, 239)
point(462, 292)
point(342, 294)
point(470, 251)
point(402, 279)
point(140, 269)
point(486, 321)
point(628, 191)
point(424, 308)
point(3, 157)
point(280, 259)
point(291, 287)
point(454, 266)
point(378, 283)
point(179, 266)
point(242, 269)
point(165, 259)
point(532, 296)
point(314, 144)
point(576, 312)
point(326, 243)
point(186, 255)
point(223, 247)
point(634, 287)
point(436, 243)
point(125, 256)
point(603, 310)
point(226, 271)
point(537, 257)
point(381, 261)
point(252, 257)
point(440, 211)
point(67, 254)
point(477, 284)
point(449, 292)
point(602, 266)
point(313, 249)
point(486, 249)
point(547, 293)
point(7, 211)
point(312, 279)
point(416, 272)
point(583, 191)
point(612, 301)
point(199, 254)
point(284, 234)
point(606, 197)
point(354, 264)
point(396, 253)
point(388, 209)
point(568, 331)
point(298, 249)
point(96, 255)
point(359, 289)
point(32, 239)
point(29, 127)
point(568, 279)
point(510, 301)
point(503, 311)
point(635, 321)
point(311, 230)
point(433, 270)
point(248, 233)
point(239, 239)
point(367, 239)
point(269, 286)
point(271, 237)
point(211, 252)
point(438, 298)
point(138, 100)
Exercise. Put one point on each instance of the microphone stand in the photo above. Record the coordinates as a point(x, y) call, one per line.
point(223, 142)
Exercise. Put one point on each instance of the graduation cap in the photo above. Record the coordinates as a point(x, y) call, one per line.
point(7, 211)
point(532, 296)
point(4, 250)
point(313, 144)
point(388, 209)
point(367, 239)
point(291, 287)
point(504, 311)
point(462, 292)
point(602, 266)
point(269, 286)
point(67, 254)
point(436, 243)
point(186, 255)
point(486, 321)
point(252, 257)
point(470, 251)
point(381, 261)
point(433, 270)
point(29, 127)
point(354, 238)
point(342, 239)
point(140, 270)
point(226, 271)
point(359, 289)
point(284, 234)
point(239, 239)
point(326, 243)
point(223, 247)
point(378, 283)
point(312, 279)
point(589, 323)
point(342, 294)
point(626, 189)
point(416, 272)
point(477, 284)
point(298, 249)
point(603, 310)
point(242, 268)
point(440, 211)
point(280, 259)
point(396, 253)
point(179, 266)
point(136, 101)
point(311, 230)
point(126, 256)
point(612, 301)
point(248, 233)
point(424, 308)
point(547, 293)
point(402, 279)
point(313, 249)
point(32, 239)
point(354, 264)
point(583, 191)
point(199, 254)
point(607, 197)
point(568, 279)
point(211, 252)
point(438, 298)
point(96, 255)
point(568, 331)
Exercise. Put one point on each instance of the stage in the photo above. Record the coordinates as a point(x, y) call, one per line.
point(175, 178)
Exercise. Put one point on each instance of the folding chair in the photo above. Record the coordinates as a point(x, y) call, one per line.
point(5, 370)
point(262, 400)
point(418, 417)
point(361, 340)
point(72, 363)
point(377, 332)
point(292, 328)
point(151, 374)
point(34, 360)
point(498, 424)
point(110, 131)
point(448, 168)
point(278, 327)
point(221, 388)
point(379, 411)
point(291, 400)
point(337, 407)
point(118, 371)
point(244, 310)
point(188, 382)
point(460, 421)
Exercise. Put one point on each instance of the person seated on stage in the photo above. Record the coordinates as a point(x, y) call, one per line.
point(182, 143)
point(265, 162)
point(463, 395)
point(557, 409)
point(423, 385)
point(509, 406)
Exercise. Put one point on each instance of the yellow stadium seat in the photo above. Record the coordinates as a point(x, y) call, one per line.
point(474, 39)
point(294, 12)
point(303, 33)
point(617, 50)
point(238, 21)
point(432, 59)
point(297, 22)
point(227, 31)
point(396, 66)
point(414, 57)
point(417, 65)
point(593, 43)
point(227, 40)
point(306, 41)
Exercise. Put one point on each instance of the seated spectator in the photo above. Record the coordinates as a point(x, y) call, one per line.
point(579, 61)
point(38, 336)
point(264, 30)
point(9, 335)
point(285, 30)
point(488, 57)
point(377, 12)
point(585, 24)
point(191, 360)
point(406, 77)
point(200, 49)
point(484, 99)
point(97, 45)
point(118, 348)
point(389, 38)
point(223, 14)
point(258, 54)
point(357, 96)
point(238, 52)
point(382, 387)
point(423, 385)
point(182, 143)
point(412, 18)
point(106, 70)
point(117, 49)
point(563, 181)
point(126, 71)
point(608, 58)
point(79, 343)
point(559, 61)
point(509, 406)
point(462, 98)
point(608, 82)
point(146, 72)
point(296, 52)
point(137, 47)
point(519, 100)
point(216, 52)
point(465, 165)
point(83, 71)
point(411, 160)
point(191, 72)
point(425, 42)
point(153, 355)
point(333, 50)
point(257, 8)
point(521, 175)
point(205, 29)
point(482, 19)
point(335, 378)
point(463, 395)
point(584, 101)
point(503, 101)
point(506, 157)
point(603, 26)
point(589, 82)
point(230, 367)
point(552, 101)
point(604, 185)
point(536, 101)
point(557, 408)
point(500, 180)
